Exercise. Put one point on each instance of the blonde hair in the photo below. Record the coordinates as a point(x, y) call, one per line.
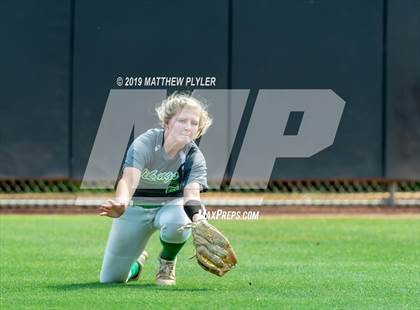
point(176, 102)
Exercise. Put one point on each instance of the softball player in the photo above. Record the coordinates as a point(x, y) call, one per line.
point(163, 175)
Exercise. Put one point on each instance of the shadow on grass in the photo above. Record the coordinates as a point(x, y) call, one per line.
point(143, 286)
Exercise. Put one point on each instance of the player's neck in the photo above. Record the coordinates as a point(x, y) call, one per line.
point(171, 147)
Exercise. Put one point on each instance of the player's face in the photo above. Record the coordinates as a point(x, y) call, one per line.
point(183, 126)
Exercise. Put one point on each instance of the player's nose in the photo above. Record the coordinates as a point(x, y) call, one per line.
point(187, 126)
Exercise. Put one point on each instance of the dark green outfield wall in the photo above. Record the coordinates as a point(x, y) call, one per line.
point(59, 60)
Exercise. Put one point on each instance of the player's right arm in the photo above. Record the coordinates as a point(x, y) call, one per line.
point(138, 156)
point(125, 191)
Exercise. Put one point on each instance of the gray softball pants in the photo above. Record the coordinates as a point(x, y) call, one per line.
point(131, 232)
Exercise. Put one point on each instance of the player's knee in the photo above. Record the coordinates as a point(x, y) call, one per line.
point(111, 278)
point(104, 280)
point(171, 233)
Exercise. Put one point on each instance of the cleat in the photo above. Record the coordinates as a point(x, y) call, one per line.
point(166, 272)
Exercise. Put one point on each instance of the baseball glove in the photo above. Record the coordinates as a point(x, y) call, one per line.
point(213, 250)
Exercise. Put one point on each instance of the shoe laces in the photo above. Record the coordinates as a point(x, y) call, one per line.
point(167, 268)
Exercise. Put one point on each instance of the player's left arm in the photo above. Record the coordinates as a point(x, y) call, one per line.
point(214, 252)
point(192, 201)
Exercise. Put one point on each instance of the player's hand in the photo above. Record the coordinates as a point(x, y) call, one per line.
point(112, 209)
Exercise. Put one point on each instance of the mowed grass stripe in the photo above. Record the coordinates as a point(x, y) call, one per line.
point(284, 263)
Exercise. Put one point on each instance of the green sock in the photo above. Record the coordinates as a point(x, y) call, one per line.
point(135, 269)
point(170, 250)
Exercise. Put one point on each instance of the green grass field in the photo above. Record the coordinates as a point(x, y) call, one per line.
point(283, 263)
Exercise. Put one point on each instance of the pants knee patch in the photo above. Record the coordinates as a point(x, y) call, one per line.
point(170, 233)
point(110, 279)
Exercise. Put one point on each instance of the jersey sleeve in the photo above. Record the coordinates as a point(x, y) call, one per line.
point(139, 154)
point(198, 171)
